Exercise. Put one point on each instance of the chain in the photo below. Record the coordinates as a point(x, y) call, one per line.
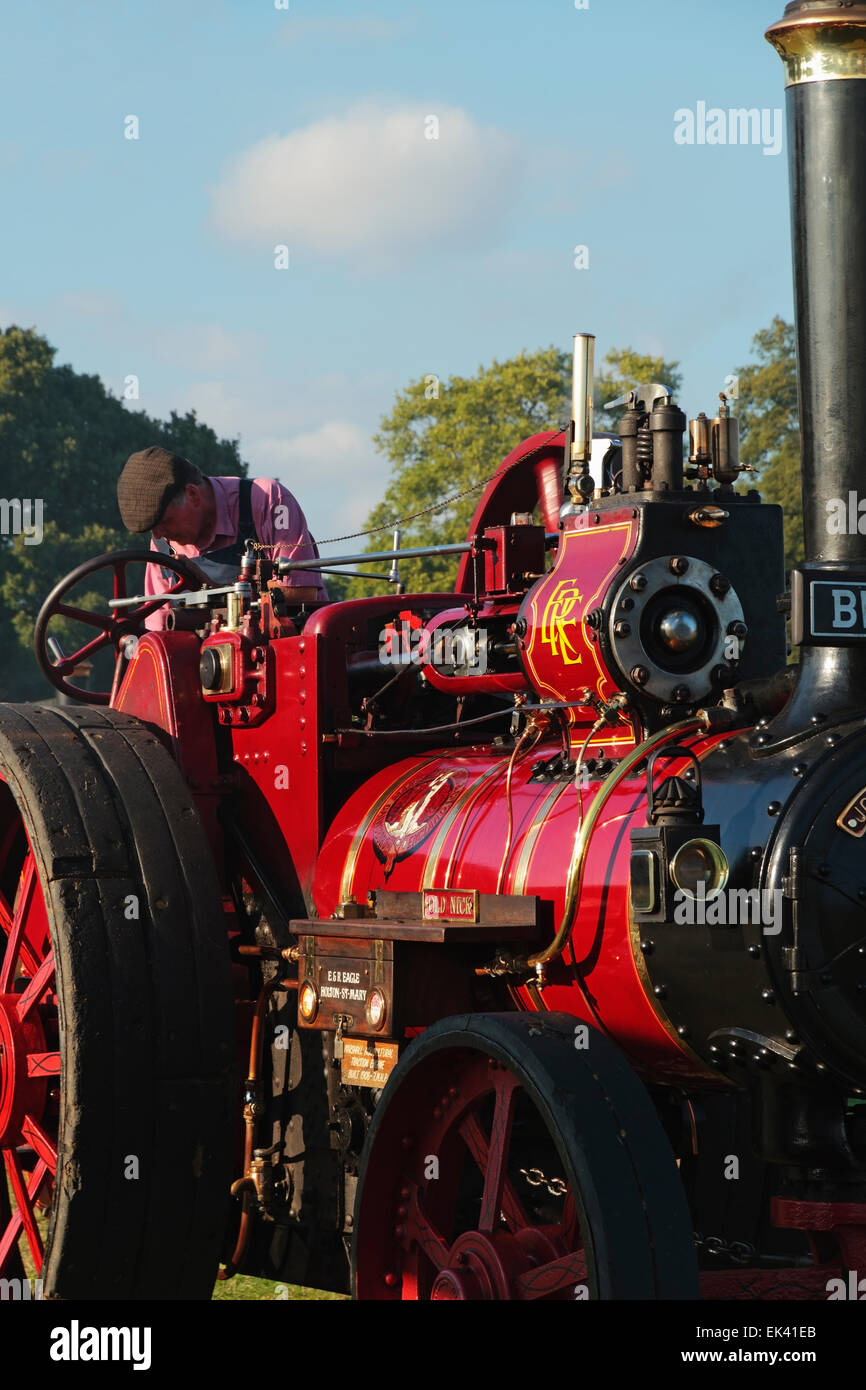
point(557, 1187)
point(437, 506)
point(740, 1251)
point(391, 525)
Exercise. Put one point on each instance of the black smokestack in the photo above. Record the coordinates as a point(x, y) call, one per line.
point(823, 46)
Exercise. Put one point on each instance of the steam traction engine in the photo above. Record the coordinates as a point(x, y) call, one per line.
point(522, 959)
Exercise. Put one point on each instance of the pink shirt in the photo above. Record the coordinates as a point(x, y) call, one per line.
point(279, 522)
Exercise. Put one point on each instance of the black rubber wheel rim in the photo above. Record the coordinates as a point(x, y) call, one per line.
point(126, 971)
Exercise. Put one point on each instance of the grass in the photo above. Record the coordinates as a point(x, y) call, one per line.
point(243, 1287)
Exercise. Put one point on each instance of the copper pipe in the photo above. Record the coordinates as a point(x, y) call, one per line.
point(252, 1110)
point(290, 953)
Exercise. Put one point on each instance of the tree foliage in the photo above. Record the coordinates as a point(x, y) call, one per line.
point(769, 425)
point(64, 439)
point(446, 437)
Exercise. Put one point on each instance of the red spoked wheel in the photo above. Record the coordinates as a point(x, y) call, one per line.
point(505, 1163)
point(29, 1048)
point(116, 1020)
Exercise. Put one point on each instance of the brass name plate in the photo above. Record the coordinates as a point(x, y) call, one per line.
point(366, 1062)
point(853, 818)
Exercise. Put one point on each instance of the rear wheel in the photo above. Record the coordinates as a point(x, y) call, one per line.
point(506, 1162)
point(116, 1021)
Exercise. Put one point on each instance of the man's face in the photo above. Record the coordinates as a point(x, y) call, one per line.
point(183, 519)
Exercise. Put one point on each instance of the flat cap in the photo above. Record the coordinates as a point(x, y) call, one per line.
point(145, 487)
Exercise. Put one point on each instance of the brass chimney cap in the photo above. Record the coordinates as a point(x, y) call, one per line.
point(821, 41)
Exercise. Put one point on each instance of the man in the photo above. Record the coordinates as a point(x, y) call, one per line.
point(208, 520)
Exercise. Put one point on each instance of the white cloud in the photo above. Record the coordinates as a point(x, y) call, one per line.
point(371, 182)
point(204, 346)
point(332, 470)
point(330, 464)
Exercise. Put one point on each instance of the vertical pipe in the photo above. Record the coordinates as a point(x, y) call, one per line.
point(823, 48)
point(581, 397)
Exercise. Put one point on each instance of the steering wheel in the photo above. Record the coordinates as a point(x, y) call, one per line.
point(114, 625)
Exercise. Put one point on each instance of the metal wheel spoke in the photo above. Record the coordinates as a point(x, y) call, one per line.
point(570, 1225)
point(119, 579)
point(35, 1135)
point(81, 615)
point(548, 1279)
point(19, 920)
point(104, 640)
point(510, 1204)
point(36, 987)
point(423, 1235)
point(507, 1087)
point(25, 1195)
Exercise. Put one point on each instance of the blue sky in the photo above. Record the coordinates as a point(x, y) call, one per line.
point(261, 126)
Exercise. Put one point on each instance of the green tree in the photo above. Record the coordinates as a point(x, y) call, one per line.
point(64, 439)
point(448, 437)
point(770, 428)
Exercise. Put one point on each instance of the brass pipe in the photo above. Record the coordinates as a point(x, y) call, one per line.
point(581, 397)
point(582, 836)
point(252, 1110)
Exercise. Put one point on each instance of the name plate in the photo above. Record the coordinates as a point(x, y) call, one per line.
point(853, 818)
point(827, 610)
point(366, 1062)
point(447, 905)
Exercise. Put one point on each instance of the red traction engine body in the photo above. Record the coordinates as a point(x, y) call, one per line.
point(500, 944)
